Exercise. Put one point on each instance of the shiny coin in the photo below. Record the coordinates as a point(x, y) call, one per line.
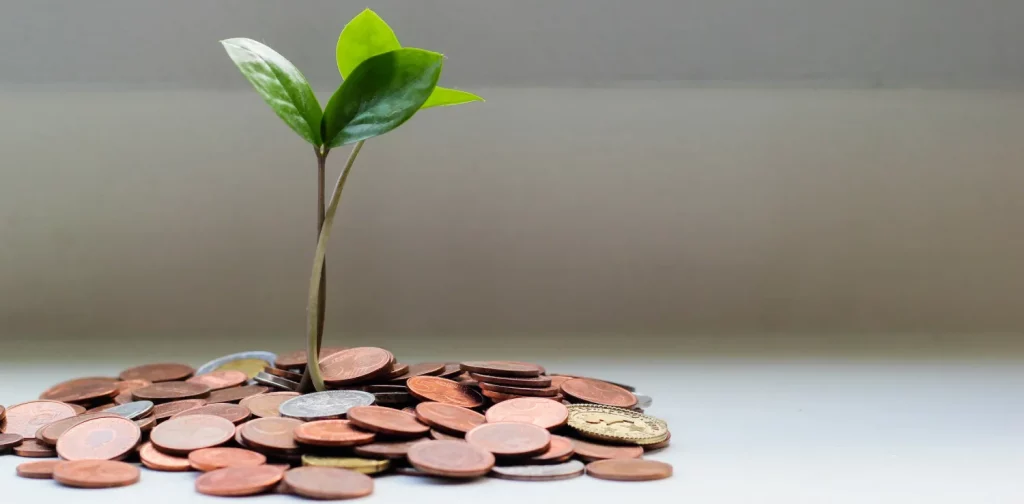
point(96, 474)
point(432, 388)
point(167, 410)
point(325, 405)
point(561, 449)
point(387, 421)
point(242, 361)
point(590, 452)
point(388, 449)
point(521, 391)
point(108, 438)
point(328, 483)
point(266, 405)
point(541, 412)
point(355, 365)
point(283, 373)
point(210, 459)
point(598, 392)
point(297, 359)
point(26, 418)
point(643, 401)
point(171, 391)
point(276, 382)
point(536, 382)
point(448, 417)
point(42, 469)
point(335, 433)
point(159, 461)
point(179, 436)
point(271, 433)
point(510, 439)
point(34, 448)
point(365, 466)
point(132, 410)
point(9, 440)
point(550, 472)
point(503, 368)
point(239, 481)
point(158, 372)
point(232, 412)
point(452, 459)
point(220, 379)
point(629, 470)
point(49, 433)
point(233, 395)
point(616, 424)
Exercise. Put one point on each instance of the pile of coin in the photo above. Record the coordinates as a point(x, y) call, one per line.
point(240, 421)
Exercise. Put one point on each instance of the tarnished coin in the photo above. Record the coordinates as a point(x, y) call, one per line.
point(179, 436)
point(503, 368)
point(598, 392)
point(239, 481)
point(158, 372)
point(65, 388)
point(643, 401)
point(363, 465)
point(421, 369)
point(510, 439)
point(536, 382)
point(387, 421)
point(241, 361)
point(325, 405)
point(616, 424)
point(590, 452)
point(541, 412)
point(26, 418)
point(448, 417)
point(388, 449)
point(231, 412)
point(159, 461)
point(107, 438)
point(355, 365)
point(266, 405)
point(42, 469)
point(96, 474)
point(271, 433)
point(220, 379)
point(332, 433)
point(132, 410)
point(629, 470)
point(521, 391)
point(50, 432)
point(211, 459)
point(328, 483)
point(233, 395)
point(34, 448)
point(82, 391)
point(432, 388)
point(452, 459)
point(549, 472)
point(297, 359)
point(276, 382)
point(444, 436)
point(283, 373)
point(167, 410)
point(171, 391)
point(9, 440)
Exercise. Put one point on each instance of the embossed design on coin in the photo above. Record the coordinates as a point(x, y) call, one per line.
point(95, 474)
point(448, 417)
point(598, 392)
point(42, 469)
point(107, 438)
point(629, 470)
point(158, 372)
point(328, 483)
point(170, 391)
point(616, 424)
point(565, 470)
point(179, 436)
point(210, 459)
point(233, 395)
point(251, 361)
point(231, 412)
point(590, 452)
point(541, 412)
point(220, 379)
point(325, 405)
point(432, 388)
point(132, 410)
point(26, 418)
point(452, 459)
point(266, 405)
point(239, 481)
point(355, 365)
point(332, 433)
point(510, 439)
point(158, 461)
point(387, 421)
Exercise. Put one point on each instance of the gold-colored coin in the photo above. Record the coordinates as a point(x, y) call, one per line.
point(363, 465)
point(248, 366)
point(617, 425)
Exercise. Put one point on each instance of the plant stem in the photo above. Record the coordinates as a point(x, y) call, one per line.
point(306, 384)
point(313, 311)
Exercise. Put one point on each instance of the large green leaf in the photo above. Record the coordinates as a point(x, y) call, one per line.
point(282, 85)
point(380, 94)
point(367, 35)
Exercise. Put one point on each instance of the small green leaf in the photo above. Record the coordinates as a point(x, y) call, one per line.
point(367, 35)
point(282, 86)
point(443, 97)
point(380, 94)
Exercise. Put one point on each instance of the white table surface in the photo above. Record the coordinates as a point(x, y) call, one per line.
point(744, 431)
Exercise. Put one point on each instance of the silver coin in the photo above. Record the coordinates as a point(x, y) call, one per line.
point(323, 405)
point(565, 470)
point(275, 382)
point(132, 410)
point(643, 401)
point(268, 357)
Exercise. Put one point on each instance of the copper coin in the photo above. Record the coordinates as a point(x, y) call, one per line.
point(510, 439)
point(99, 439)
point(432, 388)
point(239, 481)
point(659, 445)
point(328, 483)
point(523, 391)
point(233, 395)
point(42, 469)
point(422, 369)
point(26, 418)
point(10, 440)
point(629, 470)
point(332, 433)
point(96, 474)
point(537, 382)
point(82, 391)
point(158, 372)
point(558, 380)
point(232, 412)
point(387, 421)
point(398, 371)
point(146, 424)
point(387, 449)
point(100, 408)
point(453, 459)
point(167, 410)
point(272, 433)
point(541, 412)
point(560, 450)
point(297, 359)
point(159, 461)
point(355, 365)
point(124, 397)
point(210, 459)
point(503, 368)
point(179, 436)
point(217, 380)
point(79, 409)
point(598, 392)
point(50, 432)
point(451, 370)
point(171, 391)
point(265, 405)
point(283, 373)
point(3, 413)
point(130, 385)
point(34, 448)
point(436, 434)
point(589, 451)
point(55, 392)
point(448, 417)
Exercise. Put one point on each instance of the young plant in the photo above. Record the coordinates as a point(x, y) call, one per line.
point(383, 86)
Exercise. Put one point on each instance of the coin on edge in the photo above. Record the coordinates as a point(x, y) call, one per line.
point(239, 481)
point(328, 483)
point(42, 469)
point(616, 424)
point(551, 472)
point(451, 459)
point(96, 474)
point(324, 405)
point(629, 470)
point(105, 438)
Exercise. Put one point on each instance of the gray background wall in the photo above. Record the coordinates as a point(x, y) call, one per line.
point(667, 168)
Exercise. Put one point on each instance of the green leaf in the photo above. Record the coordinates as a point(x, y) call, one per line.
point(380, 94)
point(282, 86)
point(367, 35)
point(443, 97)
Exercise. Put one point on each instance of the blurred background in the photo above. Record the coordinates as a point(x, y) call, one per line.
point(652, 177)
